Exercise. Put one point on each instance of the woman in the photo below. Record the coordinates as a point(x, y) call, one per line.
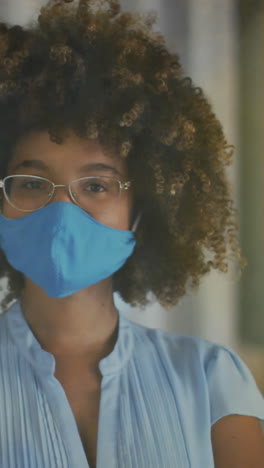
point(113, 179)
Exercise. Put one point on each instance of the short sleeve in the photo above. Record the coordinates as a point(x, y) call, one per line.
point(232, 387)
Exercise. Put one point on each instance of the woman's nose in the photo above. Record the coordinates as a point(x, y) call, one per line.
point(61, 194)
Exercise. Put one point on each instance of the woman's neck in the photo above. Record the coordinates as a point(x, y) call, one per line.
point(82, 325)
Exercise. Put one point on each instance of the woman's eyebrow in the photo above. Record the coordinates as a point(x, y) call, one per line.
point(38, 164)
point(35, 163)
point(100, 167)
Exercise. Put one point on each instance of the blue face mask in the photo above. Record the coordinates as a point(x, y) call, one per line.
point(63, 249)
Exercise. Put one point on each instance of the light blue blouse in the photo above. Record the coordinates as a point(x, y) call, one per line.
point(160, 394)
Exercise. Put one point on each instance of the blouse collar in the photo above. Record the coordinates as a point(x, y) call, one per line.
point(44, 362)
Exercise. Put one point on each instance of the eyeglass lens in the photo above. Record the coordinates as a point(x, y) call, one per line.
point(31, 193)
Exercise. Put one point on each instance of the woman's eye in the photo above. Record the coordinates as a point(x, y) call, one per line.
point(95, 188)
point(32, 185)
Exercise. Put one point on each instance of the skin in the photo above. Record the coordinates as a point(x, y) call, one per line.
point(81, 327)
point(238, 442)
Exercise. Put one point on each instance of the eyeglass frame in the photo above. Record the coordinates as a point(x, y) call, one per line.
point(122, 185)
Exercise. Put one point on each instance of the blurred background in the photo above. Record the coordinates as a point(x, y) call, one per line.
point(220, 45)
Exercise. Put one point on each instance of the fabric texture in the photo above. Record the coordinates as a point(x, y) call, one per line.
point(160, 394)
point(66, 234)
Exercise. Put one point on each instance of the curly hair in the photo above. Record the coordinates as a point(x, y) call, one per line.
point(107, 75)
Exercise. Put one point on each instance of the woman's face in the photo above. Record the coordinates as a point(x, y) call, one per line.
point(36, 155)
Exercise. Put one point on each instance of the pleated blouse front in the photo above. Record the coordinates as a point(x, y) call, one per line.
point(160, 394)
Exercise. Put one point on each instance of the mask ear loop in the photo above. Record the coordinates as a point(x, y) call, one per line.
point(136, 222)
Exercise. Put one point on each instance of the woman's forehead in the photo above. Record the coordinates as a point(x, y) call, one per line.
point(72, 152)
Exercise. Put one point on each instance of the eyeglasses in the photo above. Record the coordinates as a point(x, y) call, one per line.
point(30, 193)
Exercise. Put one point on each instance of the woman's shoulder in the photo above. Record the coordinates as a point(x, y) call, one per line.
point(179, 346)
point(201, 369)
